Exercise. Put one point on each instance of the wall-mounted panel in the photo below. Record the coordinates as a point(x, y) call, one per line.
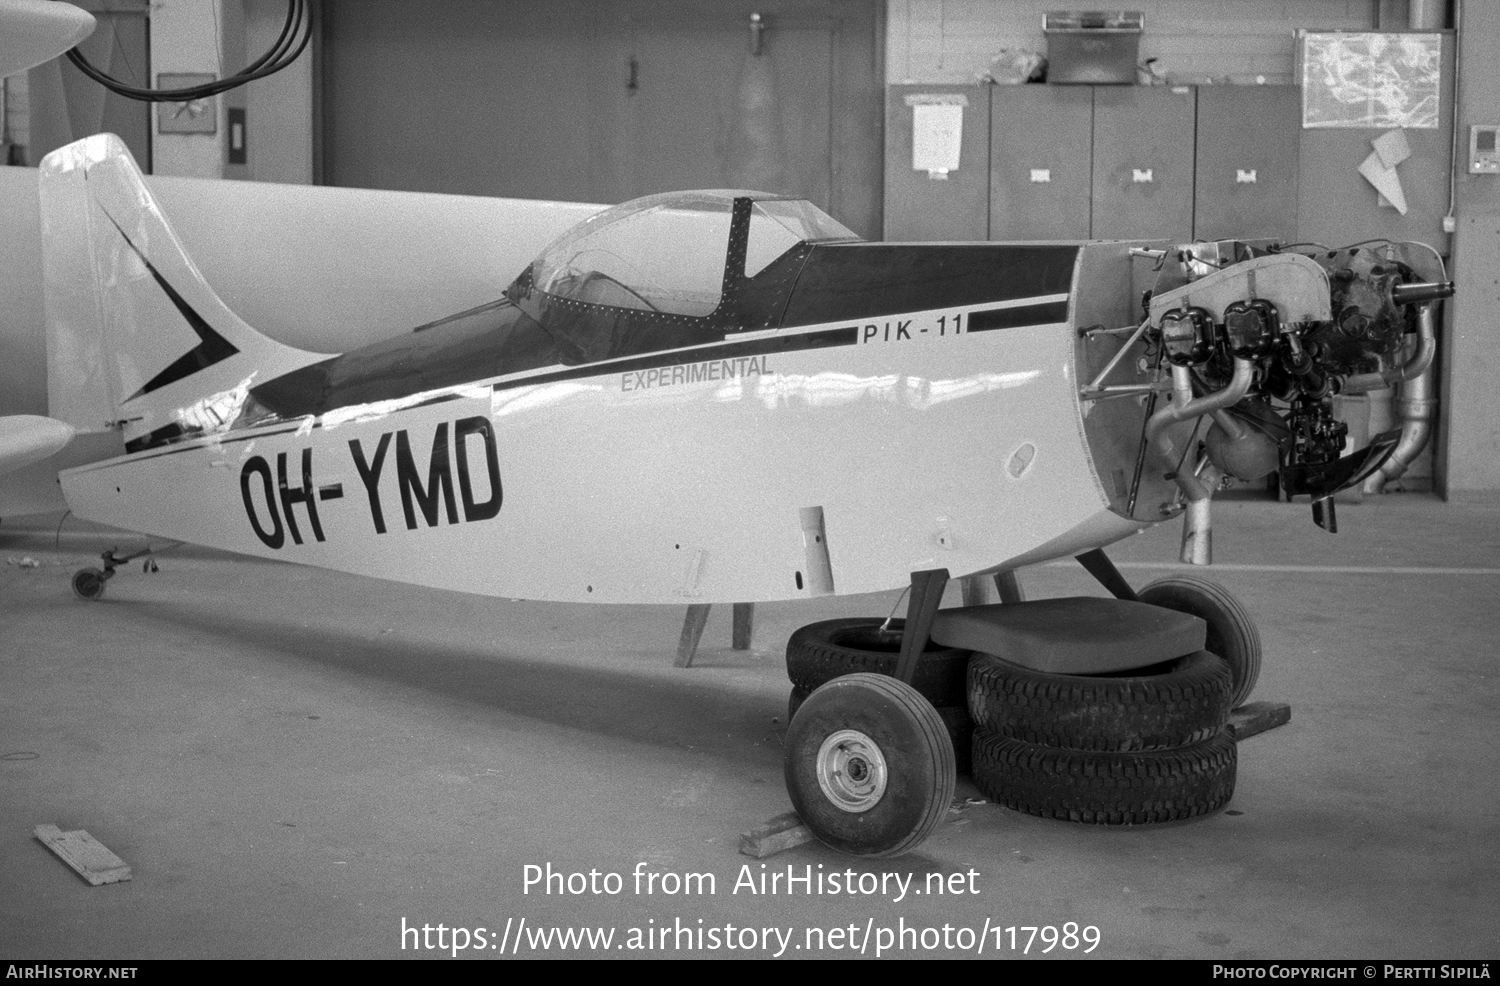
point(1248, 138)
point(927, 204)
point(1143, 162)
point(1041, 162)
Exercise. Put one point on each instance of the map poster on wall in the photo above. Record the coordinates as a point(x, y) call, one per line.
point(1371, 80)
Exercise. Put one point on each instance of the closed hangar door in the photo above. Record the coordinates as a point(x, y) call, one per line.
point(600, 101)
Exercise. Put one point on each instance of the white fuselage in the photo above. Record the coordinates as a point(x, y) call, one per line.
point(925, 447)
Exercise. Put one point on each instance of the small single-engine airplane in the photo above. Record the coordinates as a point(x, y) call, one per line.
point(727, 396)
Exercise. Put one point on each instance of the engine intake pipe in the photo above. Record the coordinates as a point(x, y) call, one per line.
point(1239, 385)
point(1197, 530)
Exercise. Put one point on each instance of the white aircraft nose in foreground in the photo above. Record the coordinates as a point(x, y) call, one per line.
point(722, 397)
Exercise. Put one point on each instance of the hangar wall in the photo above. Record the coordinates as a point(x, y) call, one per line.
point(1234, 41)
point(1226, 40)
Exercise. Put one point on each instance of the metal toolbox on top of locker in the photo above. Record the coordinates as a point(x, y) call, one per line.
point(1093, 46)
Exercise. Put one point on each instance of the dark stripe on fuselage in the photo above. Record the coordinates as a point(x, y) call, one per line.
point(1020, 315)
point(832, 283)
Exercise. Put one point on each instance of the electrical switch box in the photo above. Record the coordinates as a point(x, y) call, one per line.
point(1484, 155)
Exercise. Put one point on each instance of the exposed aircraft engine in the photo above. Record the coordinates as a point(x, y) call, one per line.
point(1254, 341)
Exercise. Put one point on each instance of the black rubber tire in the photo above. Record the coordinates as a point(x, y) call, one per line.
point(1177, 703)
point(88, 583)
point(1106, 788)
point(820, 652)
point(1231, 629)
point(955, 717)
point(913, 742)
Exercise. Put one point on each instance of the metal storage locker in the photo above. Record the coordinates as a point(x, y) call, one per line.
point(1143, 162)
point(1248, 138)
point(1041, 162)
point(923, 206)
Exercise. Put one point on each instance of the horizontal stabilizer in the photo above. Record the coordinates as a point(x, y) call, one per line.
point(28, 438)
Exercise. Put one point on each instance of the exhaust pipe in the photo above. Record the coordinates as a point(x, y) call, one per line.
point(1421, 359)
point(1416, 408)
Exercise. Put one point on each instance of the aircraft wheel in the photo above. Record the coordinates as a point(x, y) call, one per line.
point(1176, 703)
point(1134, 788)
point(955, 719)
point(869, 765)
point(820, 652)
point(1231, 630)
point(88, 583)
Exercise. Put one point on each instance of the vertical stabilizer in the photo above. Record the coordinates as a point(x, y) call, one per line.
point(136, 338)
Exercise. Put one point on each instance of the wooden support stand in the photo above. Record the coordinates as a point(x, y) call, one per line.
point(1257, 717)
point(697, 619)
point(976, 591)
point(778, 835)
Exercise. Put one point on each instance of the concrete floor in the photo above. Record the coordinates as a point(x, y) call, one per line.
point(294, 762)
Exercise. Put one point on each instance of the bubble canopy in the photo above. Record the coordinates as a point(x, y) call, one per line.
point(667, 253)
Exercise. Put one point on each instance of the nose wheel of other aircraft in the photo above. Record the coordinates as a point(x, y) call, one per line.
point(89, 583)
point(869, 765)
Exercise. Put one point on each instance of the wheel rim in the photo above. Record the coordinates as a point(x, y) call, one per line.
point(851, 771)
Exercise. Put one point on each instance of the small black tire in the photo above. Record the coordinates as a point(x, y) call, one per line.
point(88, 583)
point(1231, 630)
point(820, 652)
point(869, 766)
point(1136, 788)
point(955, 717)
point(1177, 703)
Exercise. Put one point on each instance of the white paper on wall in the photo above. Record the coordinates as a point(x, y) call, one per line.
point(1385, 180)
point(937, 137)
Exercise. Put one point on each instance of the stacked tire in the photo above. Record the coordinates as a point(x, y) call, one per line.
point(1139, 747)
point(820, 652)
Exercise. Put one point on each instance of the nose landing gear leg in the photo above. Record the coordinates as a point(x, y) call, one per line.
point(88, 583)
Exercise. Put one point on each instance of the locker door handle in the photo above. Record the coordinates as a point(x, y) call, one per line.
point(1142, 176)
point(1243, 177)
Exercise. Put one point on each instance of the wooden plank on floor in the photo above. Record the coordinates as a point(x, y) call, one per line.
point(87, 855)
point(778, 835)
point(1257, 717)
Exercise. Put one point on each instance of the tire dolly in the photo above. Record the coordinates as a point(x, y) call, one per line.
point(869, 763)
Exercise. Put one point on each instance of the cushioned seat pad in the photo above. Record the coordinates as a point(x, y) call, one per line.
point(1073, 635)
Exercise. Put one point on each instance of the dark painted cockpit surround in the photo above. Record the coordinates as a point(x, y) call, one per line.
point(810, 284)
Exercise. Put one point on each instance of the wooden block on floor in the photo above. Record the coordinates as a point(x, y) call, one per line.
point(779, 834)
point(84, 853)
point(1257, 717)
